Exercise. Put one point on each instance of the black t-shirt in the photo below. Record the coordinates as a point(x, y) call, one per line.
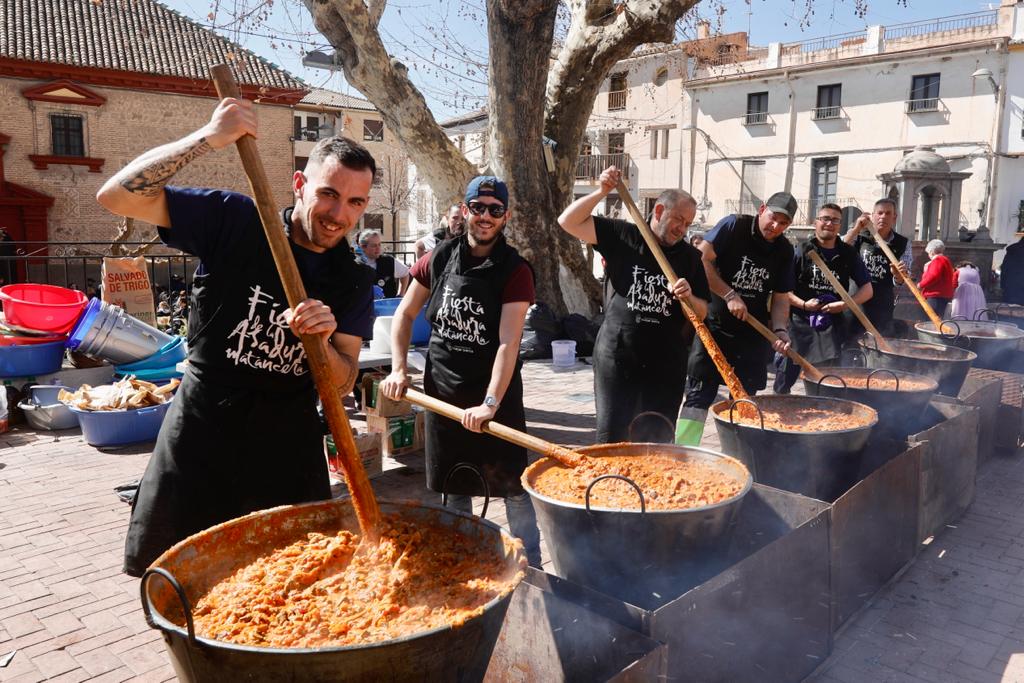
point(844, 262)
point(636, 291)
point(752, 266)
point(237, 331)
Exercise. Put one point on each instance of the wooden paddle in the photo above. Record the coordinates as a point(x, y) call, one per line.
point(728, 374)
point(907, 280)
point(358, 483)
point(850, 303)
point(812, 372)
point(565, 456)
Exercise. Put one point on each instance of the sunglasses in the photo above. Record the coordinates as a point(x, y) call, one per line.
point(478, 209)
point(829, 219)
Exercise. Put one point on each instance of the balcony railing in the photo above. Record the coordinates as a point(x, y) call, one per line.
point(960, 22)
point(617, 100)
point(743, 206)
point(589, 166)
point(822, 113)
point(921, 105)
point(755, 118)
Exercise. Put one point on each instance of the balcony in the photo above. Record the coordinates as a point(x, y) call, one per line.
point(923, 105)
point(756, 118)
point(617, 100)
point(825, 113)
point(589, 166)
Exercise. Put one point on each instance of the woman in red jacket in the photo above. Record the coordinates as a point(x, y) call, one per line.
point(938, 280)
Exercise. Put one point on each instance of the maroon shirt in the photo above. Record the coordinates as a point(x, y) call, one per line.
point(518, 288)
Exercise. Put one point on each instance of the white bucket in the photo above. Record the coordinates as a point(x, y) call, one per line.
point(563, 353)
point(381, 342)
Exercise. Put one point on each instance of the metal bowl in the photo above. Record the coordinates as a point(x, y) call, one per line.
point(48, 417)
point(995, 343)
point(820, 465)
point(637, 555)
point(200, 561)
point(948, 365)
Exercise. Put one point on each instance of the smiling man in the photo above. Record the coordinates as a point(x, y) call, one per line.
point(477, 289)
point(243, 432)
point(879, 308)
point(641, 348)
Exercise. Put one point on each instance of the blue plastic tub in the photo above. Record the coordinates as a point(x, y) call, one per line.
point(169, 355)
point(120, 427)
point(84, 323)
point(29, 360)
point(420, 326)
point(157, 375)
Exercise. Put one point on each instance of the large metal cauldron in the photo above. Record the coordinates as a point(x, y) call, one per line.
point(640, 556)
point(198, 562)
point(995, 343)
point(821, 465)
point(948, 365)
point(898, 408)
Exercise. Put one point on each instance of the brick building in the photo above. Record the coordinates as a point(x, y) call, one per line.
point(87, 86)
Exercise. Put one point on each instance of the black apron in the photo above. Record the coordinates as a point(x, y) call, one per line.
point(243, 432)
point(465, 314)
point(386, 279)
point(879, 308)
point(819, 346)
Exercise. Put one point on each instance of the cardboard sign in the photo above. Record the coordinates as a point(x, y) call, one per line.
point(126, 284)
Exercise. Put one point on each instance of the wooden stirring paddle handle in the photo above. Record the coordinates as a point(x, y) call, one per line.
point(567, 457)
point(907, 280)
point(363, 500)
point(812, 372)
point(724, 369)
point(850, 303)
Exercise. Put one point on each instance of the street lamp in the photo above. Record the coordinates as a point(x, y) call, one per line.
point(705, 203)
point(986, 74)
point(320, 60)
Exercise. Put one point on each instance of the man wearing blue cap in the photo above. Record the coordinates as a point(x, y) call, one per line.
point(477, 289)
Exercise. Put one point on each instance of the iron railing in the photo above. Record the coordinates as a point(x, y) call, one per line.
point(617, 100)
point(923, 104)
point(841, 41)
point(822, 113)
point(755, 118)
point(743, 206)
point(589, 166)
point(735, 56)
point(959, 22)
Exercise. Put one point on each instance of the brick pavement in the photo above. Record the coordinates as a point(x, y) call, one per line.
point(957, 614)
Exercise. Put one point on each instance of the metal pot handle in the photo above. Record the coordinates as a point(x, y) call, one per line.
point(478, 473)
point(942, 328)
point(147, 606)
point(867, 385)
point(868, 335)
point(746, 400)
point(643, 503)
point(993, 315)
point(822, 379)
point(652, 413)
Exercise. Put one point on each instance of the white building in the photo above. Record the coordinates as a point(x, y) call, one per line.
point(825, 118)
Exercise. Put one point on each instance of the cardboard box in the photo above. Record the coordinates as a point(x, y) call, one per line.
point(400, 434)
point(376, 404)
point(370, 452)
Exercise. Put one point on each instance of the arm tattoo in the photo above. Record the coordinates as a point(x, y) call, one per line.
point(148, 177)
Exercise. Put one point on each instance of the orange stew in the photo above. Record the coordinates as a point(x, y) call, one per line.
point(330, 590)
point(667, 483)
point(881, 381)
point(800, 419)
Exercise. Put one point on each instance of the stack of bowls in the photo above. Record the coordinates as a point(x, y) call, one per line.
point(36, 319)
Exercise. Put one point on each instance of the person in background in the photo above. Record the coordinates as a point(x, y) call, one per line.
point(1011, 272)
point(884, 276)
point(452, 225)
point(392, 276)
point(937, 279)
point(968, 297)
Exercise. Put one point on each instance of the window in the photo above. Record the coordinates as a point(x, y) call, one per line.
point(824, 176)
point(757, 108)
point(378, 178)
point(462, 144)
point(66, 130)
point(297, 128)
point(830, 102)
point(617, 92)
point(752, 186)
point(616, 143)
point(924, 93)
point(373, 221)
point(421, 207)
point(664, 144)
point(654, 143)
point(661, 76)
point(373, 130)
point(300, 163)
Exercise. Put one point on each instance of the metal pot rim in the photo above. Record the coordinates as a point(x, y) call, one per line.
point(813, 399)
point(589, 450)
point(901, 374)
point(1015, 333)
point(969, 356)
point(166, 626)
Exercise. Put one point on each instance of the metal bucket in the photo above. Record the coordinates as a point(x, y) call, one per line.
point(947, 365)
point(897, 409)
point(115, 336)
point(200, 561)
point(821, 465)
point(635, 555)
point(995, 343)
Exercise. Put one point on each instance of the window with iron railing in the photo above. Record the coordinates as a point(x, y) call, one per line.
point(830, 100)
point(617, 92)
point(757, 109)
point(924, 93)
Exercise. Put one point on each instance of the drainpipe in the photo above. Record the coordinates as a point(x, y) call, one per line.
point(990, 204)
point(791, 145)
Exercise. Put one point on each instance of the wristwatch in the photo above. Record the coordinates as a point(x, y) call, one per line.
point(491, 401)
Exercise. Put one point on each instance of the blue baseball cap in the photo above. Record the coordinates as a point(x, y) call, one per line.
point(487, 186)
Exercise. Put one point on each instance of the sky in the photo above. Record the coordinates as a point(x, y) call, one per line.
point(444, 44)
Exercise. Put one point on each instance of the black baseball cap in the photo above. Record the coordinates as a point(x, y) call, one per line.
point(782, 202)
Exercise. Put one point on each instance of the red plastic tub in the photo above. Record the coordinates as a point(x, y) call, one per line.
point(14, 340)
point(42, 307)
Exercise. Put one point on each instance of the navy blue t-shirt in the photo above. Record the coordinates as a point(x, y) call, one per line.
point(237, 330)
